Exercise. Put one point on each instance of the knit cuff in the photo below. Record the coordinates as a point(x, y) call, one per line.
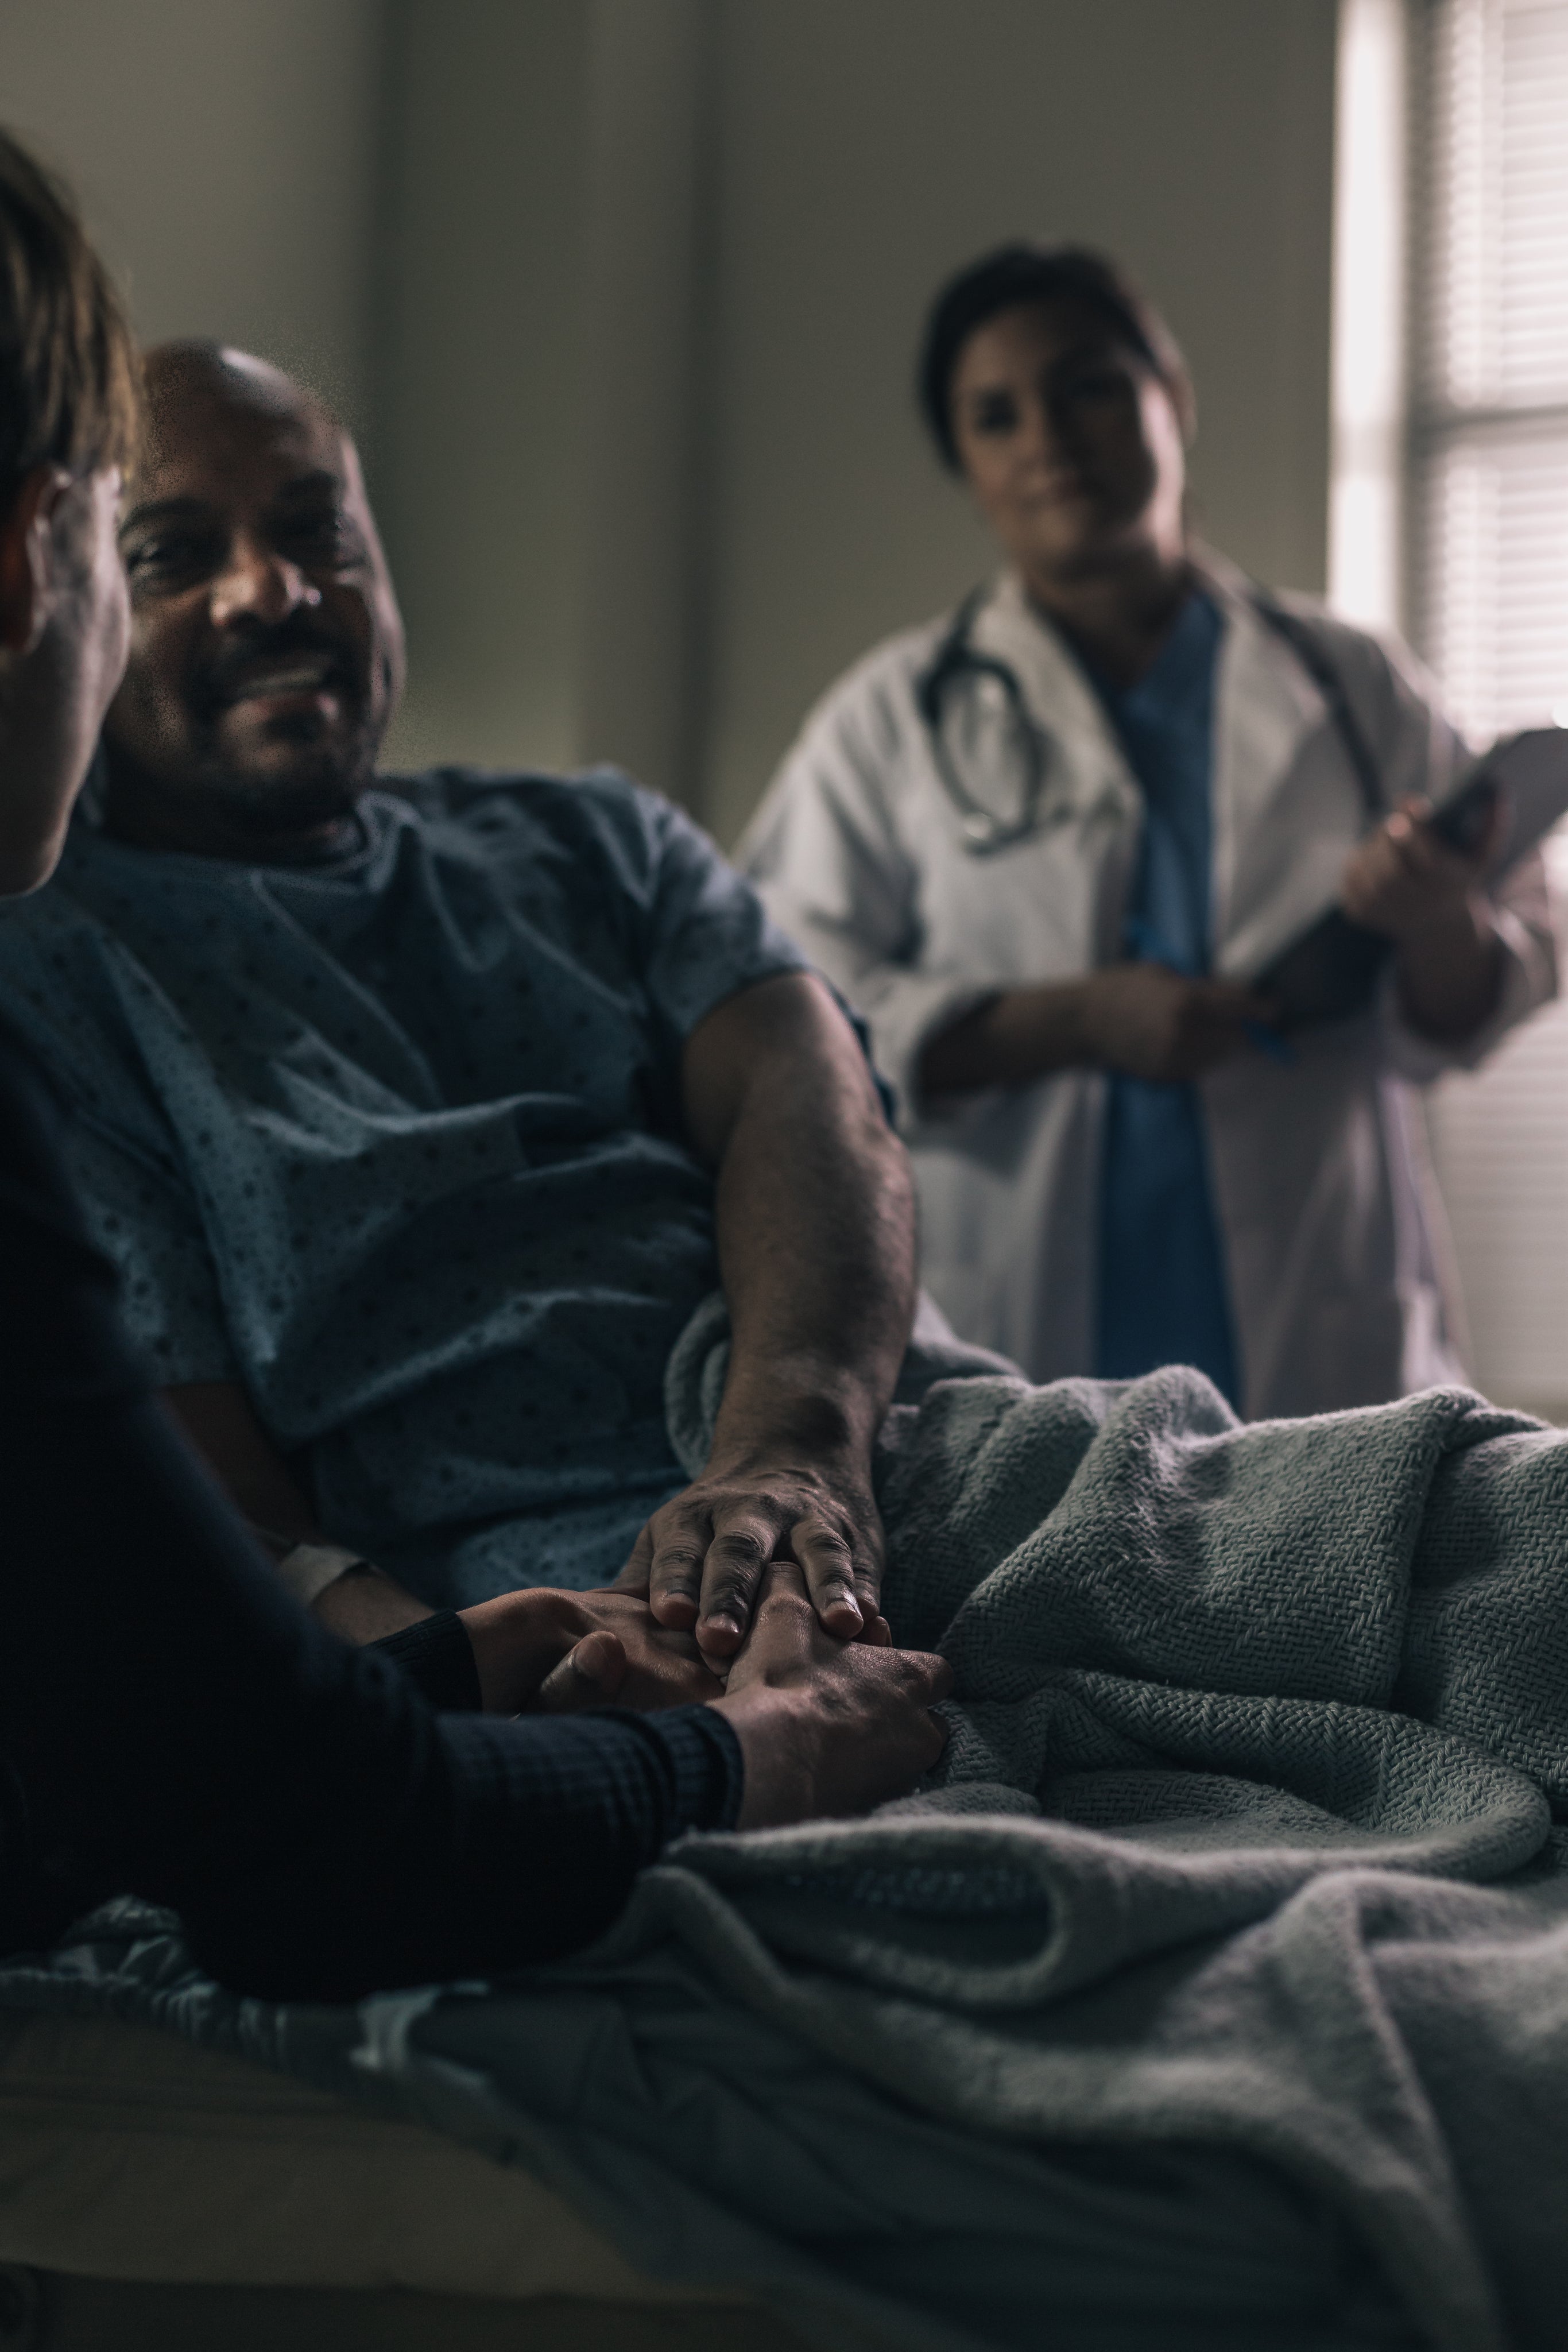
point(707, 1767)
point(437, 1656)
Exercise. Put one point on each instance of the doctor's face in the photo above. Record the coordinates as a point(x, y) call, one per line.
point(1070, 442)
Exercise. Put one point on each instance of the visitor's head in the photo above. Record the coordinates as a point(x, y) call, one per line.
point(265, 646)
point(68, 420)
point(1057, 393)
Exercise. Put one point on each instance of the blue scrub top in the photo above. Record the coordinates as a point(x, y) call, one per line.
point(1163, 1296)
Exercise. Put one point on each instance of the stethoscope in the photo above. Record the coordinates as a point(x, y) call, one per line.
point(957, 660)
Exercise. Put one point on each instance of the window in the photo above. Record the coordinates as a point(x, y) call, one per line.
point(1489, 572)
point(1486, 582)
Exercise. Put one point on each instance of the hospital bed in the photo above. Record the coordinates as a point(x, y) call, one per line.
point(155, 2197)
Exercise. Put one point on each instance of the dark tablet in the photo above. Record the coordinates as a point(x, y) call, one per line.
point(1330, 971)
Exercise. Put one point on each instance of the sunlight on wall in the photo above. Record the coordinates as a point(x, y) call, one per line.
point(1368, 337)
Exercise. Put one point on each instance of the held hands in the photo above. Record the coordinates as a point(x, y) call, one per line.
point(551, 1652)
point(1149, 1022)
point(827, 1726)
point(700, 1561)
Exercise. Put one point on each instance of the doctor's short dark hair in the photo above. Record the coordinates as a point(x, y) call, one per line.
point(1028, 272)
point(68, 370)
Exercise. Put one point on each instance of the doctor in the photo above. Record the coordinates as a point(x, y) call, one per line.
point(1043, 843)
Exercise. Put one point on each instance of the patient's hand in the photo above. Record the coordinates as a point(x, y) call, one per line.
point(556, 1651)
point(827, 1726)
point(700, 1561)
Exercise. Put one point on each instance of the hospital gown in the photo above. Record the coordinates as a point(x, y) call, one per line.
point(395, 1141)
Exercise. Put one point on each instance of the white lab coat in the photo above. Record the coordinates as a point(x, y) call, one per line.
point(1339, 1276)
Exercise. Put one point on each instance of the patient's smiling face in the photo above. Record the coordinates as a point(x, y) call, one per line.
point(267, 650)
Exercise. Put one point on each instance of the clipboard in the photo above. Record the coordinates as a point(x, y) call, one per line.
point(1331, 970)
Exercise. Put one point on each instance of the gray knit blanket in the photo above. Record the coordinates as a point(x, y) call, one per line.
point(1225, 1957)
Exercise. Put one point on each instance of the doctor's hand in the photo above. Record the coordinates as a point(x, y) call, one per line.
point(1405, 881)
point(701, 1561)
point(826, 1726)
point(1148, 1022)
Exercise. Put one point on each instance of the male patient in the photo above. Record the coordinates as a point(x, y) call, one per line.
point(420, 1119)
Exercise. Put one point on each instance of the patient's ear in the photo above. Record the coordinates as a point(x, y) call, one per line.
point(27, 558)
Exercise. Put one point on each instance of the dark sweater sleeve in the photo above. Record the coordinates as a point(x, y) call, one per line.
point(518, 1841)
point(691, 1754)
point(437, 1656)
point(174, 1725)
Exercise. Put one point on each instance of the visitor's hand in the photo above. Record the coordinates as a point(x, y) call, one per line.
point(1405, 881)
point(827, 1726)
point(554, 1652)
point(1148, 1022)
point(700, 1561)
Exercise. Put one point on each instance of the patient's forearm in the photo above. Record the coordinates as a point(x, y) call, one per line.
point(221, 1423)
point(818, 1276)
point(816, 1245)
point(815, 1222)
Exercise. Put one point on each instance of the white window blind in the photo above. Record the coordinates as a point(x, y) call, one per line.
point(1488, 589)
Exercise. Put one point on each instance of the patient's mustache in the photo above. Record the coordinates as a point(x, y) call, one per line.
point(233, 670)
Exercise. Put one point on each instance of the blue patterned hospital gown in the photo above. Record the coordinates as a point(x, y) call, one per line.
point(395, 1141)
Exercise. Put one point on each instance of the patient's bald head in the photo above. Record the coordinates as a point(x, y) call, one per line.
point(267, 650)
point(185, 381)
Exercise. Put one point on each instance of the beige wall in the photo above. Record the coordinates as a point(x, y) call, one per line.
point(624, 294)
point(477, 472)
point(538, 321)
point(224, 152)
